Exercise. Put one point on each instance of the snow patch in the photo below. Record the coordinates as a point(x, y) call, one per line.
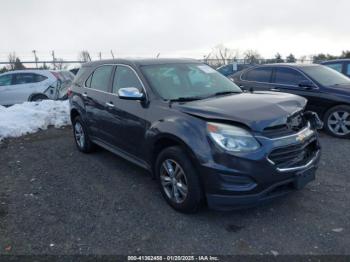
point(30, 117)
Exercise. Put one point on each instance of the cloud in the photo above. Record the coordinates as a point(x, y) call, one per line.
point(173, 28)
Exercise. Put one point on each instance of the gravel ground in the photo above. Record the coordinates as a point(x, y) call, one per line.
point(55, 200)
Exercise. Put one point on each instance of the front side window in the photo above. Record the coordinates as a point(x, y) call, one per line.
point(326, 76)
point(6, 80)
point(258, 75)
point(347, 71)
point(336, 66)
point(287, 76)
point(175, 81)
point(99, 80)
point(125, 77)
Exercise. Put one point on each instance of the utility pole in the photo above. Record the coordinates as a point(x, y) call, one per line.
point(36, 58)
point(112, 54)
point(53, 59)
point(100, 55)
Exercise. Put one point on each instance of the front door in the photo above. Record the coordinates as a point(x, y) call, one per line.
point(288, 80)
point(127, 122)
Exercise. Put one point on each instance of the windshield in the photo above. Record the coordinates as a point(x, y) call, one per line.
point(326, 76)
point(197, 81)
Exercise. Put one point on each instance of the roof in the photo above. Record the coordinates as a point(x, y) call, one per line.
point(337, 60)
point(142, 61)
point(290, 65)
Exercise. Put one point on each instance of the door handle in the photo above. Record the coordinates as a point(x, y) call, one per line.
point(275, 89)
point(109, 104)
point(85, 94)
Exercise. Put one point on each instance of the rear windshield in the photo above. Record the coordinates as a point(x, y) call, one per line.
point(326, 76)
point(174, 81)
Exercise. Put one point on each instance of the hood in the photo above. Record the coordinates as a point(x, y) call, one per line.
point(256, 110)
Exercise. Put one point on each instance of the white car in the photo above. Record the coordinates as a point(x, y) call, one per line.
point(33, 85)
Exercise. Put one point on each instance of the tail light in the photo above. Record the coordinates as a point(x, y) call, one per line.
point(69, 91)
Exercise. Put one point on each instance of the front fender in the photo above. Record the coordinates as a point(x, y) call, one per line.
point(189, 132)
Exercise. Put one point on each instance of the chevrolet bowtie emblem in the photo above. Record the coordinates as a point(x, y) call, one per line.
point(301, 138)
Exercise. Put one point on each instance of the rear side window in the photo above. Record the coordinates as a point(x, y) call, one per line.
point(6, 80)
point(28, 78)
point(39, 78)
point(288, 76)
point(99, 80)
point(336, 66)
point(226, 70)
point(24, 79)
point(125, 77)
point(258, 75)
point(347, 71)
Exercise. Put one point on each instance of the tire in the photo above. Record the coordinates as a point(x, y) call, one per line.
point(38, 98)
point(81, 136)
point(337, 121)
point(175, 159)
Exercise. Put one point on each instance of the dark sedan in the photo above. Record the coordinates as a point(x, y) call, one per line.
point(327, 91)
point(231, 69)
point(340, 65)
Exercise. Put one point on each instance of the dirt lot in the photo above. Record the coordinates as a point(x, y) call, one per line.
point(55, 200)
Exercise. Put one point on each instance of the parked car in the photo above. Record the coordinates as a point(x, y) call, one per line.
point(230, 69)
point(196, 131)
point(327, 91)
point(33, 85)
point(340, 65)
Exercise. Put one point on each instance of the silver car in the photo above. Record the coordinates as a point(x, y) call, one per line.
point(33, 85)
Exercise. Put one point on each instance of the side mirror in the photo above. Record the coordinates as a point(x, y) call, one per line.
point(306, 84)
point(130, 93)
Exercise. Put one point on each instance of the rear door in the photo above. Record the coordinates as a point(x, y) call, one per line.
point(126, 121)
point(258, 79)
point(95, 96)
point(23, 85)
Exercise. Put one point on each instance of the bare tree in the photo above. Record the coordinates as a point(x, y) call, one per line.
point(12, 59)
point(221, 55)
point(84, 56)
point(60, 65)
point(252, 56)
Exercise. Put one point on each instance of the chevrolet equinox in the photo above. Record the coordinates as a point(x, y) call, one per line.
point(199, 134)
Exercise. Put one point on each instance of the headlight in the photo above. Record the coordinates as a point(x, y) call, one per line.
point(232, 138)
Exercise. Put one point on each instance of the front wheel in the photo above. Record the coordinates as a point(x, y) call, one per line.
point(337, 121)
point(178, 180)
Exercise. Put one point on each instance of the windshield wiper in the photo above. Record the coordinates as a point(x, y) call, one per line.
point(186, 99)
point(224, 93)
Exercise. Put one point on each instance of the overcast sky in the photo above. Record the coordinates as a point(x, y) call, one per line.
point(177, 28)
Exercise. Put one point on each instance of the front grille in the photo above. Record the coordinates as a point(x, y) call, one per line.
point(294, 124)
point(294, 155)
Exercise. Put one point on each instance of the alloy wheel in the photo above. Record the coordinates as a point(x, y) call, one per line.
point(79, 134)
point(174, 181)
point(339, 123)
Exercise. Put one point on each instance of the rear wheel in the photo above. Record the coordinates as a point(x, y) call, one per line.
point(337, 121)
point(38, 98)
point(81, 136)
point(178, 180)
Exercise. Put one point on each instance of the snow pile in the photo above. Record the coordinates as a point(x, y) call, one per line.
point(30, 117)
